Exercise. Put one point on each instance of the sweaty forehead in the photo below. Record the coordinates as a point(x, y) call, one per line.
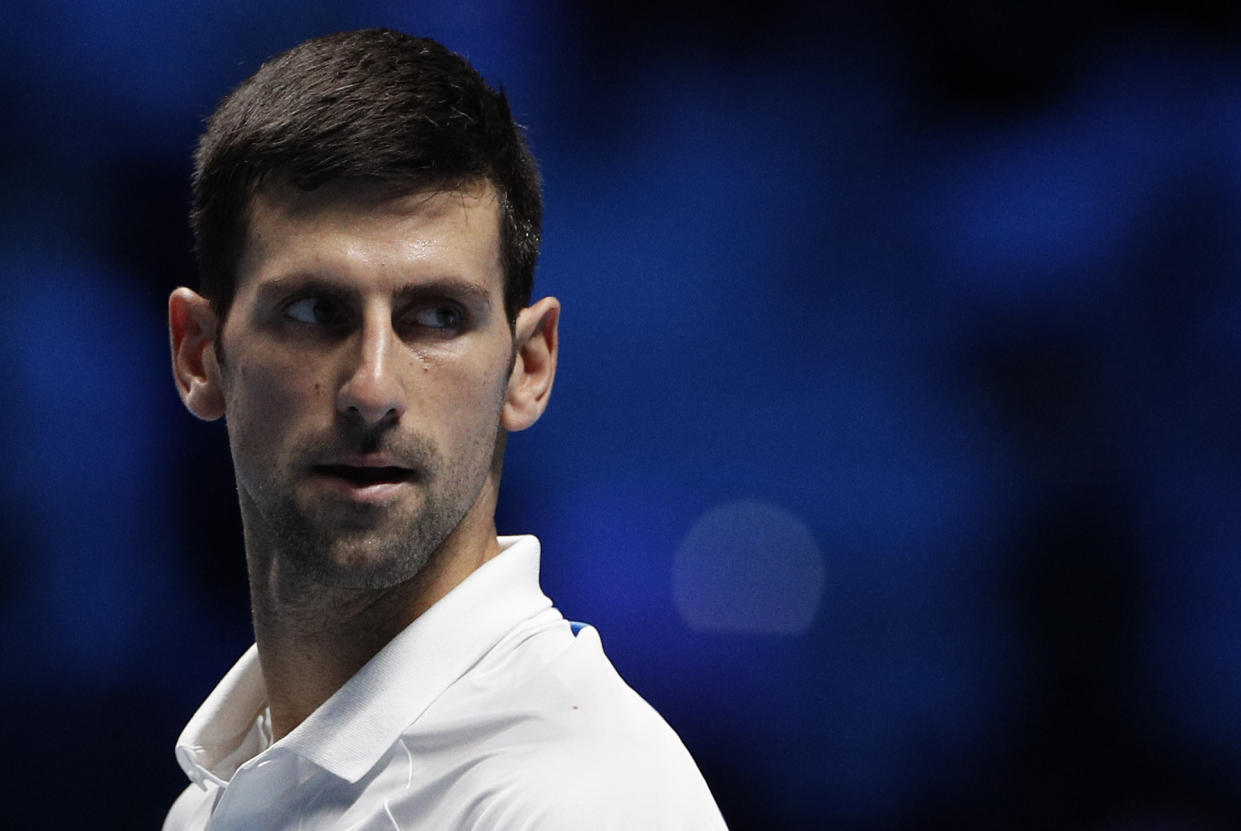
point(345, 225)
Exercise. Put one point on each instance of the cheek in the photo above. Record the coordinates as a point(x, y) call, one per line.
point(266, 400)
point(466, 399)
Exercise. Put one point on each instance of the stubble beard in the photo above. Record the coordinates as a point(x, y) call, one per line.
point(368, 547)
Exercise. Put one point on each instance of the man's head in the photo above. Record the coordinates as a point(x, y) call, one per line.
point(368, 277)
point(396, 112)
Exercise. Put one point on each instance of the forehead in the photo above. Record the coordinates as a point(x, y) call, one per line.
point(360, 233)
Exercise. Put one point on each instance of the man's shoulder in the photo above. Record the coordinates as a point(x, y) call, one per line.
point(569, 743)
point(569, 791)
point(557, 692)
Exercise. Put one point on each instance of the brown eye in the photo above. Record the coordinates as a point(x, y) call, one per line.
point(312, 310)
point(439, 317)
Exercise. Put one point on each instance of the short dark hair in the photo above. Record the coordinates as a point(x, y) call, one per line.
point(374, 106)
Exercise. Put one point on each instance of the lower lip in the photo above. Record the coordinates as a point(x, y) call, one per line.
point(376, 493)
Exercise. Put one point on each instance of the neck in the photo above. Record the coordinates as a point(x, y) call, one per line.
point(312, 638)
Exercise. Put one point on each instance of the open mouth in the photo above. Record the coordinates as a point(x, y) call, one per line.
point(363, 476)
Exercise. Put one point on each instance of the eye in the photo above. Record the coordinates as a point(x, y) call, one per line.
point(313, 310)
point(439, 317)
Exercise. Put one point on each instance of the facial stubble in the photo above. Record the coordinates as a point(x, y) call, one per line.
point(354, 545)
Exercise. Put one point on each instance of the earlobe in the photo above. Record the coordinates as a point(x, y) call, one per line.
point(536, 342)
point(192, 329)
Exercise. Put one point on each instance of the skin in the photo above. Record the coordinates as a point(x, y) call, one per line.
point(368, 376)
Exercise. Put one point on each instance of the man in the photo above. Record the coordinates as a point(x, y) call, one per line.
point(367, 220)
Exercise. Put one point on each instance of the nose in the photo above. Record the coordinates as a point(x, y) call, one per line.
point(372, 390)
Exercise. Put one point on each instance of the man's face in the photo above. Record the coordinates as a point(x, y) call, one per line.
point(366, 360)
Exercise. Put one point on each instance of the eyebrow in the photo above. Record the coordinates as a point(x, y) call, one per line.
point(445, 287)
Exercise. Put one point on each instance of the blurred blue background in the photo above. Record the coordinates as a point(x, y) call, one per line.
point(894, 450)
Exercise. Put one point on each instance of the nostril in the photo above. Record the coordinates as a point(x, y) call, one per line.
point(372, 417)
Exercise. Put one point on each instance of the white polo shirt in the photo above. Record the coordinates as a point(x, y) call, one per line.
point(486, 712)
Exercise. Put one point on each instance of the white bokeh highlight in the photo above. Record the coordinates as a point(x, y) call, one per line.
point(750, 567)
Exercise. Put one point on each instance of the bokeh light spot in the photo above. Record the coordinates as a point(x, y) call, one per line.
point(748, 566)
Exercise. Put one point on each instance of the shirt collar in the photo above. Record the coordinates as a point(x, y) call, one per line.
point(350, 731)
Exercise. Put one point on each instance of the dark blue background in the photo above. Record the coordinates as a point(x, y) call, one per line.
point(894, 450)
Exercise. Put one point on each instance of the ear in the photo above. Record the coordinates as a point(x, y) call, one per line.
point(536, 343)
point(192, 327)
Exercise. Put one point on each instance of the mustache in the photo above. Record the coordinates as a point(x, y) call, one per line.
point(399, 448)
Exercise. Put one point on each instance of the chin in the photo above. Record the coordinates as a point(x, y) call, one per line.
point(369, 564)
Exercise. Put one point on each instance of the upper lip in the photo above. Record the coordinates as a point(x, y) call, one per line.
point(365, 469)
point(362, 461)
